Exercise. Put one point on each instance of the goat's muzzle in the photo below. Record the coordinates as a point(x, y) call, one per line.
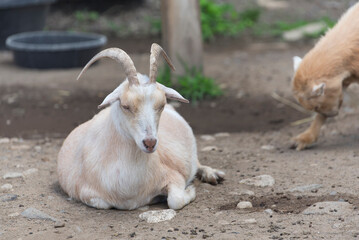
point(150, 144)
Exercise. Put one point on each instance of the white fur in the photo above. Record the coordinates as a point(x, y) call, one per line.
point(105, 164)
point(296, 62)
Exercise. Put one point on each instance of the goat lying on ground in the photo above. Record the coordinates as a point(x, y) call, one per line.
point(111, 160)
point(333, 64)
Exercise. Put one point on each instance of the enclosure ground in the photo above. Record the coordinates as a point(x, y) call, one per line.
point(53, 103)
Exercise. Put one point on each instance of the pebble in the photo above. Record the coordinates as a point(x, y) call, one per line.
point(158, 216)
point(259, 181)
point(269, 211)
point(268, 147)
point(222, 134)
point(250, 221)
point(33, 213)
point(144, 208)
point(243, 192)
point(20, 147)
point(208, 138)
point(273, 4)
point(330, 208)
point(333, 193)
point(4, 140)
point(15, 214)
point(223, 222)
point(59, 225)
point(209, 149)
point(306, 188)
point(6, 187)
point(244, 205)
point(30, 171)
point(8, 197)
point(10, 175)
point(37, 148)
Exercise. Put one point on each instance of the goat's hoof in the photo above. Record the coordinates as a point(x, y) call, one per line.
point(210, 175)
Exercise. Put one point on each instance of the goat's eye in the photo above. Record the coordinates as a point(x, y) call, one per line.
point(126, 107)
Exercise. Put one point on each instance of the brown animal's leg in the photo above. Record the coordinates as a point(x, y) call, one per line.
point(310, 135)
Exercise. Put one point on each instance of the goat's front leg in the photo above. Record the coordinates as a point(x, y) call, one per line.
point(310, 135)
point(179, 195)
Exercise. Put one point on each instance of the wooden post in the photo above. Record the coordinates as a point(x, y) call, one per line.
point(181, 33)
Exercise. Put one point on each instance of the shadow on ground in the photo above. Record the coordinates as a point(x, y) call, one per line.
point(35, 113)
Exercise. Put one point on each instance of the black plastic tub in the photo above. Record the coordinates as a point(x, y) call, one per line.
point(54, 49)
point(22, 16)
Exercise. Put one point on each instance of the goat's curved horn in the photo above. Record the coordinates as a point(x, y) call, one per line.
point(121, 57)
point(156, 50)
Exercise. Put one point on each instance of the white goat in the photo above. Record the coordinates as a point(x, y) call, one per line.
point(111, 160)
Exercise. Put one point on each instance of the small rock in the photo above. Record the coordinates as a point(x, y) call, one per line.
point(223, 222)
point(158, 216)
point(333, 193)
point(268, 147)
point(243, 192)
point(8, 197)
point(144, 208)
point(273, 4)
point(10, 175)
point(37, 148)
point(250, 221)
point(222, 134)
point(6, 187)
point(259, 181)
point(269, 211)
point(16, 214)
point(59, 225)
point(4, 140)
point(209, 149)
point(331, 208)
point(244, 204)
point(33, 213)
point(20, 147)
point(208, 138)
point(30, 171)
point(50, 198)
point(240, 94)
point(306, 188)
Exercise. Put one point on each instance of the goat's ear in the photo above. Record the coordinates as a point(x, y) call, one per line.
point(296, 62)
point(111, 98)
point(318, 90)
point(172, 94)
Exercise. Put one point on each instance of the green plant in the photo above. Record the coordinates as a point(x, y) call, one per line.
point(223, 19)
point(86, 16)
point(156, 25)
point(193, 85)
point(278, 28)
point(219, 19)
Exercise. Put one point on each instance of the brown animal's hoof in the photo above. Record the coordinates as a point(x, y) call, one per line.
point(303, 140)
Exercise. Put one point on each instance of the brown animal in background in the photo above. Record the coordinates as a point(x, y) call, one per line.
point(331, 66)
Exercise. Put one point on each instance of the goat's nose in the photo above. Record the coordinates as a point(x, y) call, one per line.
point(149, 143)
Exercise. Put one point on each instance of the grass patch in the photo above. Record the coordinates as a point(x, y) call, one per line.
point(86, 16)
point(193, 85)
point(224, 20)
point(277, 29)
point(219, 20)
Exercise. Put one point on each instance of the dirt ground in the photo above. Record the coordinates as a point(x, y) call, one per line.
point(39, 108)
point(43, 106)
